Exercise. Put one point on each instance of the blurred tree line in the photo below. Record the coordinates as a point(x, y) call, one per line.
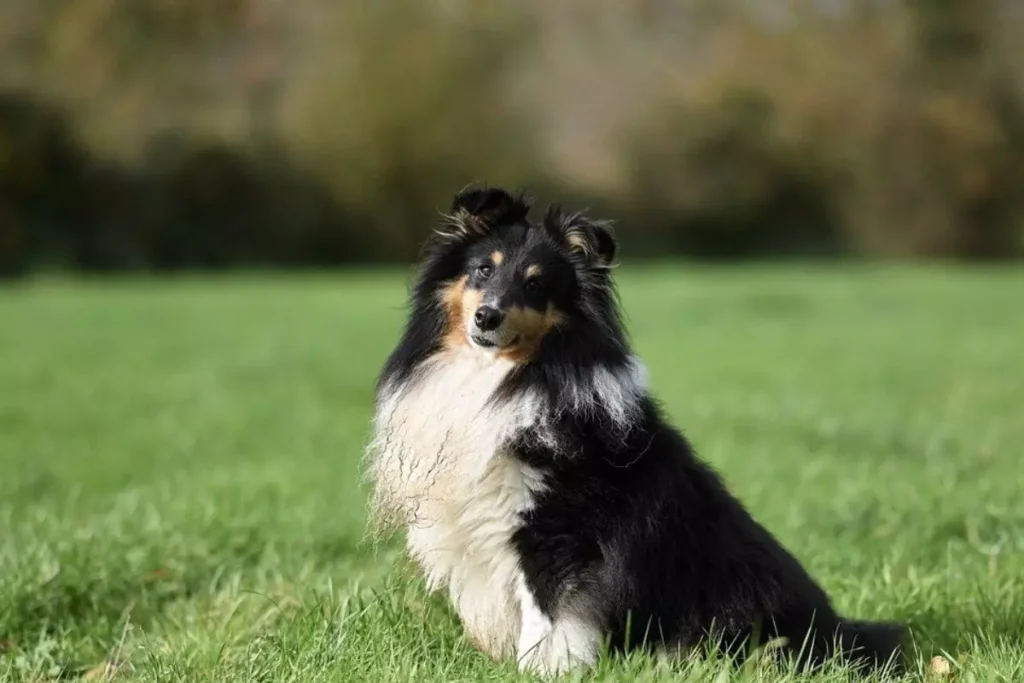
point(211, 133)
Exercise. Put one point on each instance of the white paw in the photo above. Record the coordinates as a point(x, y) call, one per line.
point(548, 658)
point(564, 645)
point(550, 647)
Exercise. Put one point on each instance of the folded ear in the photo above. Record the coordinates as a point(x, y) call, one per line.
point(607, 247)
point(591, 241)
point(476, 211)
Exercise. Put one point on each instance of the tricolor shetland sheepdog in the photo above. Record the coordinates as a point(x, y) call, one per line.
point(517, 444)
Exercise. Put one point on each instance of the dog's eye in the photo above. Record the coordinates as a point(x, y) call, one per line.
point(534, 286)
point(485, 271)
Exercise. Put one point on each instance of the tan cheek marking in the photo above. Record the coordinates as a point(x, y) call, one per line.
point(471, 300)
point(531, 326)
point(497, 257)
point(533, 271)
point(454, 298)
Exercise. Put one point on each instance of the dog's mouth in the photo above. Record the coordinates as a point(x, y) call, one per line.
point(485, 343)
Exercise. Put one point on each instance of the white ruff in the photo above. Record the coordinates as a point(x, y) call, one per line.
point(440, 467)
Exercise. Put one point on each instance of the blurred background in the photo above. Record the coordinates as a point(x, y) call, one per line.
point(170, 134)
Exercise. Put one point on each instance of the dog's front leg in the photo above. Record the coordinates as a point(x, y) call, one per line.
point(552, 644)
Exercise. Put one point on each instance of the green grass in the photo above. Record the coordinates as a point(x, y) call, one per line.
point(179, 484)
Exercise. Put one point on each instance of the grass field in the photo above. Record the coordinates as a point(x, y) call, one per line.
point(179, 485)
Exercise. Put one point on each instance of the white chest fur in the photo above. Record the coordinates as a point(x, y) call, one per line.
point(440, 468)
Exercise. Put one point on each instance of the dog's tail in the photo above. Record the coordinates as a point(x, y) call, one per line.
point(878, 644)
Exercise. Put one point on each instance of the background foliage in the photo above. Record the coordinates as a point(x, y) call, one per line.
point(206, 133)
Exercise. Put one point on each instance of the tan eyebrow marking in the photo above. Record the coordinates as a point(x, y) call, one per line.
point(533, 271)
point(497, 257)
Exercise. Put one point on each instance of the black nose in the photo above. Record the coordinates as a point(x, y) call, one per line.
point(487, 318)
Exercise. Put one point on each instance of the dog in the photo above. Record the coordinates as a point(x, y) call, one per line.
point(517, 444)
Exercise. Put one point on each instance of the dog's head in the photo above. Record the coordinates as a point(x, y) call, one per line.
point(504, 284)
